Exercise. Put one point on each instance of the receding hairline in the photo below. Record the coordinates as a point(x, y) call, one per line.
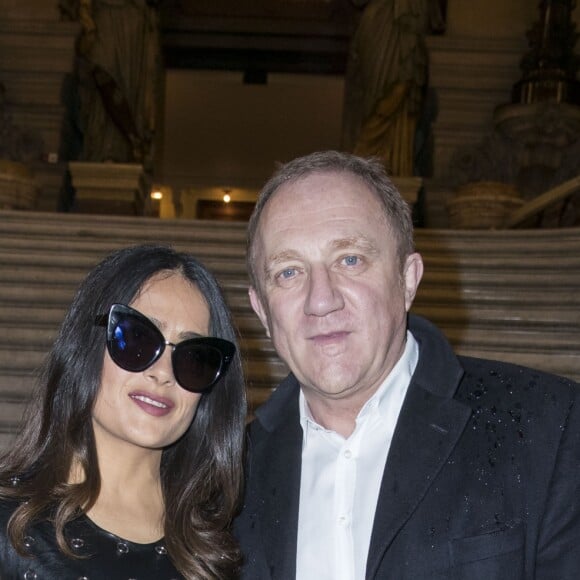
point(269, 193)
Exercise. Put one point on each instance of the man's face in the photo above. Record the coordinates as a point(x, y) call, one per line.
point(331, 294)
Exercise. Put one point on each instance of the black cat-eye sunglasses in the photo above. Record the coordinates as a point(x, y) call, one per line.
point(134, 343)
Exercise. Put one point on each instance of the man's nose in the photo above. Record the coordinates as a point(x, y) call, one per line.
point(324, 295)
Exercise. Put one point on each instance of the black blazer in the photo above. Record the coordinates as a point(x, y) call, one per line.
point(482, 480)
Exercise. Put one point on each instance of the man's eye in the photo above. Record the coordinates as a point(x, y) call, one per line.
point(288, 273)
point(351, 260)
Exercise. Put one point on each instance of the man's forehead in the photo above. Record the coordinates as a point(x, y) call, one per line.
point(327, 190)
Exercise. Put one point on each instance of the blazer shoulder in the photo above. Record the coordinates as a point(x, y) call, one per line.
point(516, 386)
point(280, 407)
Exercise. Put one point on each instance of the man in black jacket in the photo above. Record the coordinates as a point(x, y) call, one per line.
point(383, 454)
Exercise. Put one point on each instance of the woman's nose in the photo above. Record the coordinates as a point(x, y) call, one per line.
point(162, 369)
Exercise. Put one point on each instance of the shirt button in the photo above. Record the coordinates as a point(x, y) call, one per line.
point(348, 454)
point(342, 520)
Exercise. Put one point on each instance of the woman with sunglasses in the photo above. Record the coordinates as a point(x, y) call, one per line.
point(129, 462)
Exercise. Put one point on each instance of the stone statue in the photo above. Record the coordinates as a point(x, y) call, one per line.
point(385, 82)
point(119, 77)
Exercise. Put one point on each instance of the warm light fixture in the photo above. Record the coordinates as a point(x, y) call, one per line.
point(157, 194)
point(227, 198)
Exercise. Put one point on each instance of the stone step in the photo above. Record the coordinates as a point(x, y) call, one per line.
point(81, 263)
point(123, 228)
point(31, 226)
point(503, 263)
point(11, 410)
point(57, 242)
point(7, 434)
point(12, 407)
point(41, 224)
point(86, 251)
point(537, 241)
point(56, 294)
point(17, 382)
point(497, 317)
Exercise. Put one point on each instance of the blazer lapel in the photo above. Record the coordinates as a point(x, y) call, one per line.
point(429, 427)
point(427, 431)
point(280, 463)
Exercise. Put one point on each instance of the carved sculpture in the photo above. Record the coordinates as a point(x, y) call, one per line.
point(119, 77)
point(385, 79)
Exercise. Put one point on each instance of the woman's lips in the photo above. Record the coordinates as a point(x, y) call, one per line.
point(153, 405)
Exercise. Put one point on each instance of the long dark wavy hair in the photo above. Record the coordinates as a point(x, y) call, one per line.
point(201, 473)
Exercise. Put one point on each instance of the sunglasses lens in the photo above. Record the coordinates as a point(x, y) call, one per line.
point(133, 343)
point(196, 366)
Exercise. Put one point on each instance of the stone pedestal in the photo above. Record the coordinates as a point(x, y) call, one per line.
point(18, 188)
point(108, 188)
point(52, 177)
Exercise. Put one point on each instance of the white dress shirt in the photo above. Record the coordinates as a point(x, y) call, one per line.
point(341, 478)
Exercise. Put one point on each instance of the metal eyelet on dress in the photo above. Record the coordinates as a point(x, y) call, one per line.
point(77, 543)
point(122, 548)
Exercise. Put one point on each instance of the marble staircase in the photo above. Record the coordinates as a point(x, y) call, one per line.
point(509, 295)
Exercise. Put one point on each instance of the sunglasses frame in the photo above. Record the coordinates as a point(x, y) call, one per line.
point(118, 311)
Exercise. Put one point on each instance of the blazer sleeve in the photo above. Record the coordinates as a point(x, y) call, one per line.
point(558, 554)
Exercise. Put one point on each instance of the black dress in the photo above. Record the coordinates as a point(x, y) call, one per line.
point(104, 556)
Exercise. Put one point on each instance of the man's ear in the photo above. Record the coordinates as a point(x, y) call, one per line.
point(258, 308)
point(412, 274)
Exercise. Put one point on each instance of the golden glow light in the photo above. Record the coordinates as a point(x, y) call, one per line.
point(227, 198)
point(156, 194)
